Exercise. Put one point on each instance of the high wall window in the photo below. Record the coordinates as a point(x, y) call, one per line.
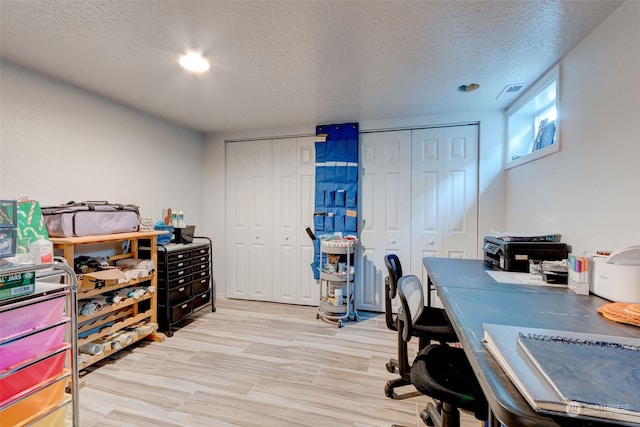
point(533, 121)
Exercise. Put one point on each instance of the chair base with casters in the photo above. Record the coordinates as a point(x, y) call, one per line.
point(432, 325)
point(444, 373)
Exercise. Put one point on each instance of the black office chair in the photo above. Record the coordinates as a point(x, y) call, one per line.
point(432, 325)
point(439, 371)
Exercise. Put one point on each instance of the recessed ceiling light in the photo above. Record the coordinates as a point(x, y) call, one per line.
point(468, 88)
point(194, 62)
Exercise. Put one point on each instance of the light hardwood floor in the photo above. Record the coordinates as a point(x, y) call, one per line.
point(254, 364)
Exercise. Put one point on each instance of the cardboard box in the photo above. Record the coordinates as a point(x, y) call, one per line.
point(16, 285)
point(100, 279)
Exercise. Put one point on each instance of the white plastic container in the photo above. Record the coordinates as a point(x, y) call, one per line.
point(42, 250)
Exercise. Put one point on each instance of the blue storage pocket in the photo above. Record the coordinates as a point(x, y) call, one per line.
point(329, 198)
point(350, 224)
point(341, 150)
point(330, 173)
point(352, 173)
point(330, 154)
point(319, 197)
point(351, 200)
point(338, 223)
point(328, 224)
point(341, 173)
point(318, 222)
point(321, 148)
point(340, 198)
point(319, 173)
point(352, 150)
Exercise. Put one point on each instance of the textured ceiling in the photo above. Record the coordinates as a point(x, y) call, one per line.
point(296, 63)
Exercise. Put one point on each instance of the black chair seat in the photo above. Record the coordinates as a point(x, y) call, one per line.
point(444, 373)
point(433, 324)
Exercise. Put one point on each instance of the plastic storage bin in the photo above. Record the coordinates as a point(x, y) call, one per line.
point(22, 378)
point(56, 418)
point(46, 396)
point(15, 351)
point(31, 316)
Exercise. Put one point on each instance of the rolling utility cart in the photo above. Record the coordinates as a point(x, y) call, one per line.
point(38, 346)
point(337, 281)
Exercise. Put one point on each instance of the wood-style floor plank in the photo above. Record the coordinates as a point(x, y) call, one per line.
point(254, 364)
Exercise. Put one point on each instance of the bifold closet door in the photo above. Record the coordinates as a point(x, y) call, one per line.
point(385, 204)
point(249, 220)
point(293, 188)
point(418, 198)
point(444, 188)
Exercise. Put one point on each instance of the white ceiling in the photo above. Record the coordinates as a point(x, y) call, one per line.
point(296, 63)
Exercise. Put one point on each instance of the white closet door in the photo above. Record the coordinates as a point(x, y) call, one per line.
point(285, 221)
point(460, 192)
point(249, 220)
point(293, 197)
point(385, 200)
point(444, 195)
point(427, 208)
point(308, 292)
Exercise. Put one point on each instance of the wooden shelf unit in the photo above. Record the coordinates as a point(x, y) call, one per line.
point(115, 317)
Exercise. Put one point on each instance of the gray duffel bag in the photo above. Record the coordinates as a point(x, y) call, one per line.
point(90, 218)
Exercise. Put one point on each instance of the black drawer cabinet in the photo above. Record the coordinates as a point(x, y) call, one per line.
point(184, 282)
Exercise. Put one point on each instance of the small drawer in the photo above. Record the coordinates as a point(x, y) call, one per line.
point(200, 259)
point(200, 274)
point(26, 317)
point(200, 267)
point(200, 285)
point(177, 282)
point(180, 310)
point(184, 272)
point(13, 351)
point(180, 264)
point(26, 376)
point(201, 300)
point(178, 256)
point(179, 295)
point(200, 251)
point(42, 395)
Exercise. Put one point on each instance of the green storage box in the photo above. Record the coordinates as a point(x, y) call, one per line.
point(16, 285)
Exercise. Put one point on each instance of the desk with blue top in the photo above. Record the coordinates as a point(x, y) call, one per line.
point(471, 297)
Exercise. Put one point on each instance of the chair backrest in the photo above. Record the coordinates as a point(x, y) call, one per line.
point(394, 272)
point(411, 304)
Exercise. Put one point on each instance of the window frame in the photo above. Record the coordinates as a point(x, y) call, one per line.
point(527, 100)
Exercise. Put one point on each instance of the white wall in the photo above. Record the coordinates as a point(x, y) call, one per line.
point(60, 143)
point(491, 180)
point(590, 190)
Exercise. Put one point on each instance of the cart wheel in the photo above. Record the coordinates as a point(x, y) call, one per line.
point(388, 391)
point(317, 316)
point(339, 323)
point(169, 333)
point(390, 368)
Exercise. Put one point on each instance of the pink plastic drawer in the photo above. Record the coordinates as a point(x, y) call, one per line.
point(17, 350)
point(14, 382)
point(28, 317)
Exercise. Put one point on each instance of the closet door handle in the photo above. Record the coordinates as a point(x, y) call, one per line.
point(257, 236)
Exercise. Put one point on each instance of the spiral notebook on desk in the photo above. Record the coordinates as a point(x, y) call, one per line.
point(572, 373)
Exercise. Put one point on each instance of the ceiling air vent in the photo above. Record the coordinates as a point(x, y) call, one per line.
point(511, 90)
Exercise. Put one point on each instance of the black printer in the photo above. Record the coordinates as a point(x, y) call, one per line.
point(515, 256)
